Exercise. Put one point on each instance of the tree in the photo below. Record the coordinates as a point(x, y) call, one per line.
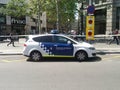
point(2, 10)
point(17, 8)
point(66, 10)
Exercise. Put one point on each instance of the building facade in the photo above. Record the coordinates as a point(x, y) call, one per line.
point(107, 16)
point(21, 26)
point(103, 16)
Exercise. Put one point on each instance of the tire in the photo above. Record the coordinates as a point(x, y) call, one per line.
point(35, 56)
point(81, 55)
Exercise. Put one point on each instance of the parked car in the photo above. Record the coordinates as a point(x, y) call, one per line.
point(56, 45)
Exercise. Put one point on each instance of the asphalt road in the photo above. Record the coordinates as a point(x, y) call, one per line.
point(100, 73)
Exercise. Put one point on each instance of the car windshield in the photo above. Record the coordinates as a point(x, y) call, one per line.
point(75, 38)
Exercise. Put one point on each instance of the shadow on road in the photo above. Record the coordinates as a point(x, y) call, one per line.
point(95, 59)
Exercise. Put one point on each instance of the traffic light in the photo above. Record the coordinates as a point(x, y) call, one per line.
point(89, 32)
point(90, 21)
point(90, 28)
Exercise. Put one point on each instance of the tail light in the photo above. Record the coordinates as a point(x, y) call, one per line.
point(25, 45)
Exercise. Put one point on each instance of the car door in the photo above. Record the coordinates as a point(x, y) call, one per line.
point(47, 45)
point(61, 46)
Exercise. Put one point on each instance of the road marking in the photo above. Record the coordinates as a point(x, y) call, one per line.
point(116, 56)
point(11, 61)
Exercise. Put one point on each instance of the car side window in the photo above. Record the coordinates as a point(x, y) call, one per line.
point(60, 39)
point(43, 39)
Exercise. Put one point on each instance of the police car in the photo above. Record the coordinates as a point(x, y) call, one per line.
point(56, 45)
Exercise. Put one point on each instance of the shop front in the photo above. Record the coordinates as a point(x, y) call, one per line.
point(2, 25)
point(18, 25)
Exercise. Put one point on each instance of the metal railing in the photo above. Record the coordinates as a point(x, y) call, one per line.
point(98, 38)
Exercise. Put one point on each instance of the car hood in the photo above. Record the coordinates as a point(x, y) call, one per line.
point(85, 44)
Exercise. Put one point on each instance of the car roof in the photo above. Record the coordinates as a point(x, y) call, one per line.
point(32, 36)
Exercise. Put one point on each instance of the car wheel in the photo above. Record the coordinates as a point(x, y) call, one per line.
point(81, 55)
point(35, 56)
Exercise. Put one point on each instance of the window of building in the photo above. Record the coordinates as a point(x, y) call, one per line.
point(2, 6)
point(96, 1)
point(86, 2)
point(104, 1)
point(118, 18)
point(2, 19)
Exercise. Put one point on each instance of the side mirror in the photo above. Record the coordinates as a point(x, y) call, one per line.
point(69, 42)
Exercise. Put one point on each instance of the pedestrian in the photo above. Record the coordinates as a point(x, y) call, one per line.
point(11, 40)
point(115, 38)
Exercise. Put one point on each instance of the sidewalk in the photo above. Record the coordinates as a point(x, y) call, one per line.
point(102, 48)
point(10, 50)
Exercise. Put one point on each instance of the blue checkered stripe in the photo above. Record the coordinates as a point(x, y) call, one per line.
point(47, 49)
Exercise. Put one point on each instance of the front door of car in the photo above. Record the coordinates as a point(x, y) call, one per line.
point(62, 47)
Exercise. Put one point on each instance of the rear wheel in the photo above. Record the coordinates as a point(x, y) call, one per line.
point(35, 56)
point(81, 55)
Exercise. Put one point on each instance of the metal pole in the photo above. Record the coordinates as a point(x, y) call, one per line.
point(39, 21)
point(81, 19)
point(57, 11)
point(78, 17)
point(90, 2)
point(79, 22)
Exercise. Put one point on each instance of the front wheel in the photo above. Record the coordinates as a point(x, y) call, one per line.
point(81, 55)
point(35, 56)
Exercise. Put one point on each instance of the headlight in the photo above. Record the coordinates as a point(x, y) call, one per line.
point(92, 48)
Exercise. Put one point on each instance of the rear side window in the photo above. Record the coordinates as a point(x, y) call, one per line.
point(43, 39)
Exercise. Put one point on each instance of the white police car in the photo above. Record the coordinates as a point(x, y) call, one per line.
point(56, 45)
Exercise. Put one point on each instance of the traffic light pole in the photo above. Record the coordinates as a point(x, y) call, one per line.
point(90, 22)
point(90, 2)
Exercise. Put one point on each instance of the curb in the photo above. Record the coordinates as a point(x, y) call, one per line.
point(11, 54)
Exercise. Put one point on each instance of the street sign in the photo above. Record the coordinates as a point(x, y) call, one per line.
point(91, 9)
point(90, 28)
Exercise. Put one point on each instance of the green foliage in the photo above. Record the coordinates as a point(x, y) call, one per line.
point(20, 8)
point(2, 10)
point(35, 5)
point(66, 9)
point(17, 8)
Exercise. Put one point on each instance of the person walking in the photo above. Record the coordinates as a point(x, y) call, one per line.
point(115, 38)
point(11, 40)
